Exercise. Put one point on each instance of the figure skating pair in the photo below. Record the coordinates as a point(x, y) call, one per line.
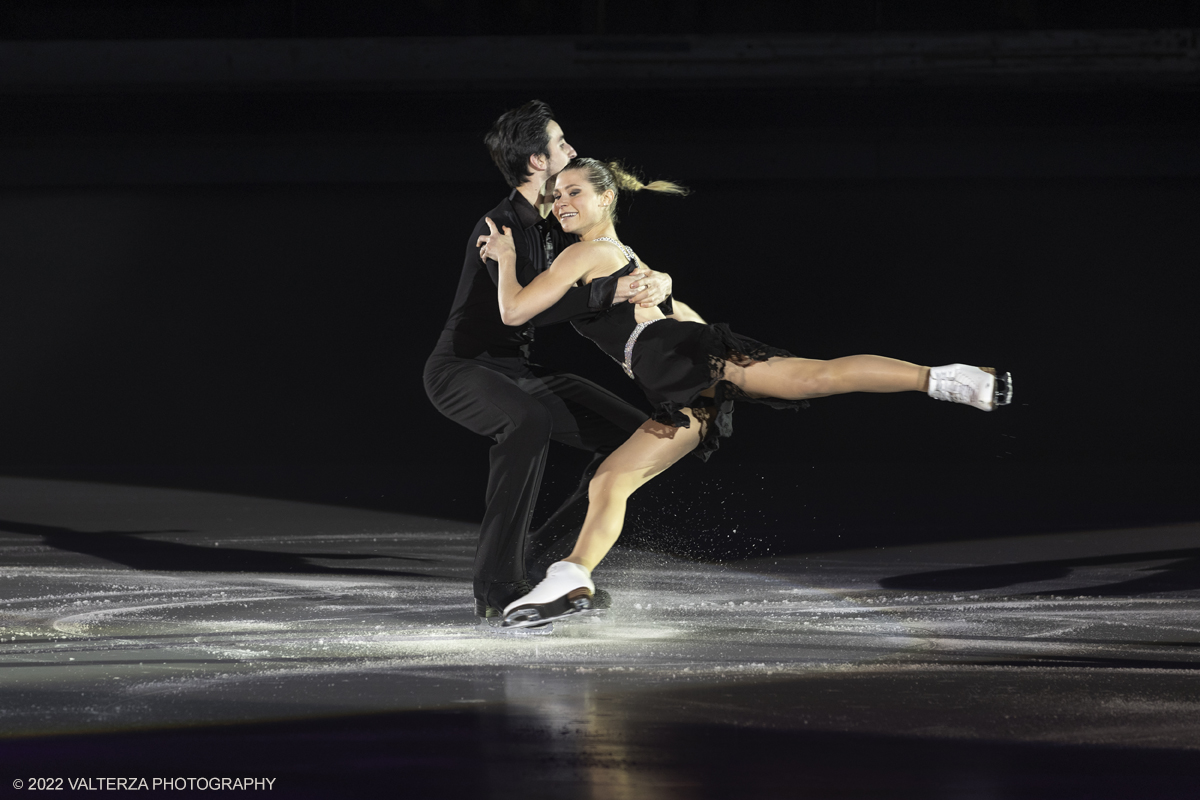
point(692, 372)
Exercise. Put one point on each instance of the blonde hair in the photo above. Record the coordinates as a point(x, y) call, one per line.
point(611, 175)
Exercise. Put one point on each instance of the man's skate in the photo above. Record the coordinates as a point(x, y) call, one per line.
point(566, 592)
point(972, 386)
point(490, 601)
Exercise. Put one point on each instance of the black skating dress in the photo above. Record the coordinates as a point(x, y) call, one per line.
point(673, 362)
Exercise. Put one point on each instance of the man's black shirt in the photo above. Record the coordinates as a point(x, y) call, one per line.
point(474, 329)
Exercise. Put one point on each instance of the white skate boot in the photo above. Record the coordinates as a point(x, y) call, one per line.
point(980, 388)
point(566, 591)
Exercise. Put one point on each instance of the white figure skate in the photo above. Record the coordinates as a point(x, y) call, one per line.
point(972, 386)
point(566, 591)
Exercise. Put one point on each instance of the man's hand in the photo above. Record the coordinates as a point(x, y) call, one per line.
point(644, 286)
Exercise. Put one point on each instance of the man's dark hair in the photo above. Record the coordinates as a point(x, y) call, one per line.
point(515, 136)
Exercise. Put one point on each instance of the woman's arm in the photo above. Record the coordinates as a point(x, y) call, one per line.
point(519, 304)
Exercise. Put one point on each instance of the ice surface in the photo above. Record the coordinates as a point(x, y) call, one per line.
point(126, 607)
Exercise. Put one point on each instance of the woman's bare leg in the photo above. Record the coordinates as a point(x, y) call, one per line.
point(803, 378)
point(651, 449)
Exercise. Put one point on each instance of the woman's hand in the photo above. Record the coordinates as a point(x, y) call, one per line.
point(496, 244)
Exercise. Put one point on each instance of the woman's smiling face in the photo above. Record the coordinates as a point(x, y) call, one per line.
point(576, 204)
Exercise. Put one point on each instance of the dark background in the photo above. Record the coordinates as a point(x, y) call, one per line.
point(232, 282)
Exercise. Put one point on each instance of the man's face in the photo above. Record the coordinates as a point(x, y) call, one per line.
point(560, 151)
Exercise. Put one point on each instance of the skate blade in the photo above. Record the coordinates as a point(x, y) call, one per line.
point(1004, 390)
point(1001, 390)
point(495, 626)
point(561, 609)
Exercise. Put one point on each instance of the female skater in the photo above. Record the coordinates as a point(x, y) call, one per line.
point(690, 371)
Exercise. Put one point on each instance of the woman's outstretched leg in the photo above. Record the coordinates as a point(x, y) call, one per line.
point(805, 378)
point(650, 450)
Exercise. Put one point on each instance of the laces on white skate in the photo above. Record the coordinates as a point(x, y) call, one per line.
point(972, 386)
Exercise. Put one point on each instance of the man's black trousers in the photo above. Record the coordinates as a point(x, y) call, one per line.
point(523, 414)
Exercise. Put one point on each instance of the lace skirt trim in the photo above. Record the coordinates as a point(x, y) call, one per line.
point(715, 414)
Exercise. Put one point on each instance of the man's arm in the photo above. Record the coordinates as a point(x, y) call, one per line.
point(578, 301)
point(644, 287)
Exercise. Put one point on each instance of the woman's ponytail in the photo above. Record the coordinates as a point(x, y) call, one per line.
point(613, 176)
point(630, 182)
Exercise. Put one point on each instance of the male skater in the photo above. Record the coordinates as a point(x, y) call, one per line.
point(479, 374)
